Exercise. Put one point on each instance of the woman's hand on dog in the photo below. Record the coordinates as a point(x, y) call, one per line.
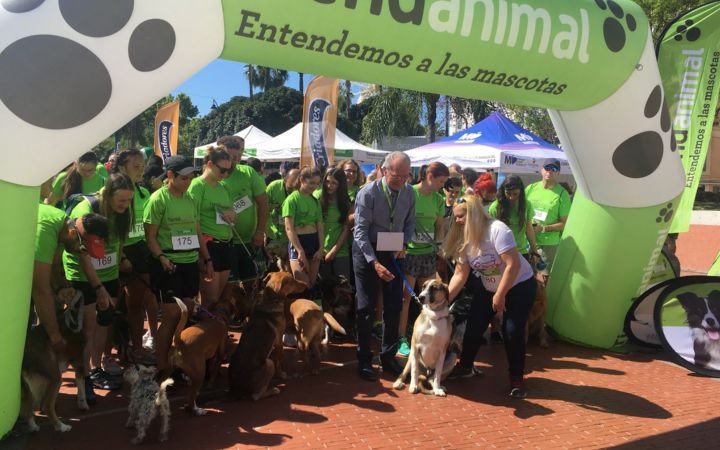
point(498, 303)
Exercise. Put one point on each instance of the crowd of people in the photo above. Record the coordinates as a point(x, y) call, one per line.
point(136, 233)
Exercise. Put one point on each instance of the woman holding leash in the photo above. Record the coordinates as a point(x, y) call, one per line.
point(335, 206)
point(136, 256)
point(178, 254)
point(304, 227)
point(421, 258)
point(98, 281)
point(216, 216)
point(486, 248)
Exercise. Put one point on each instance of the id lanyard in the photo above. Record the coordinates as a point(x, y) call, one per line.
point(391, 205)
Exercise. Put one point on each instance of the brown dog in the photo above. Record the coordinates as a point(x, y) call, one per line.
point(42, 367)
point(242, 296)
point(309, 323)
point(197, 344)
point(256, 359)
point(338, 299)
point(536, 320)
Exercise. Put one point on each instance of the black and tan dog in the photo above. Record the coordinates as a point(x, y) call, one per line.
point(42, 366)
point(430, 339)
point(703, 318)
point(338, 300)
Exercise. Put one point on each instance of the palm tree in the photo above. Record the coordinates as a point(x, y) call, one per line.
point(301, 82)
point(348, 96)
point(270, 78)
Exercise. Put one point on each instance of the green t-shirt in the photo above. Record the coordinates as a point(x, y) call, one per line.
point(548, 206)
point(50, 222)
point(304, 209)
point(352, 192)
point(243, 185)
point(89, 186)
point(137, 231)
point(107, 268)
point(177, 219)
point(333, 227)
point(428, 208)
point(276, 196)
point(514, 223)
point(101, 170)
point(210, 200)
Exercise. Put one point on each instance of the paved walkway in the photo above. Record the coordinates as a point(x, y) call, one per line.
point(578, 398)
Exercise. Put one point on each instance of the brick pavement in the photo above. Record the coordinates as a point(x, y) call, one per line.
point(578, 398)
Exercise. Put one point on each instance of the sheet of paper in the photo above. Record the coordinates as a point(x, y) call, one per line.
point(389, 242)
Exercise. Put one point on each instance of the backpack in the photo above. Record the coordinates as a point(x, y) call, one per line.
point(74, 199)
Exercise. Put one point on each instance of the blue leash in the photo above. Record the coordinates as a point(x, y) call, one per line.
point(409, 288)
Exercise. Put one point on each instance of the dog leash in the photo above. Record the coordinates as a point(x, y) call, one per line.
point(409, 288)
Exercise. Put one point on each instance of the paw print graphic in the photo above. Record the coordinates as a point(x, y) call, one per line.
point(74, 71)
point(613, 27)
point(665, 214)
point(641, 154)
point(687, 30)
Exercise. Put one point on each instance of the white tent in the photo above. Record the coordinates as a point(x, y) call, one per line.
point(252, 136)
point(286, 146)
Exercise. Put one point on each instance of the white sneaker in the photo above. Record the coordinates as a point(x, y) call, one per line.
point(289, 340)
point(148, 342)
point(111, 367)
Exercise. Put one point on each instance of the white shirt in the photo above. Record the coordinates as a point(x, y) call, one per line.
point(486, 262)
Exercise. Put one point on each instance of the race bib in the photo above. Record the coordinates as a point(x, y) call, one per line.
point(137, 231)
point(242, 204)
point(540, 215)
point(487, 268)
point(187, 242)
point(423, 238)
point(110, 260)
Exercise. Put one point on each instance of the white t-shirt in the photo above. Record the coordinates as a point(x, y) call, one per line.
point(486, 262)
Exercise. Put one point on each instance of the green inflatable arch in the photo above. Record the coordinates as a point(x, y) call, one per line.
point(71, 75)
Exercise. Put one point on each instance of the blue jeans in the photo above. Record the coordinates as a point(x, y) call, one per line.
point(518, 302)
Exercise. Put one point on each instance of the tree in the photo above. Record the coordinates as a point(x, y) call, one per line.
point(251, 76)
point(270, 78)
point(661, 12)
point(536, 120)
point(301, 82)
point(393, 112)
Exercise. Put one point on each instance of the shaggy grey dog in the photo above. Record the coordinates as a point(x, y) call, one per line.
point(147, 399)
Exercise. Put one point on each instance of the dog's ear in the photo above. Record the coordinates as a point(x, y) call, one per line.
point(688, 300)
point(714, 296)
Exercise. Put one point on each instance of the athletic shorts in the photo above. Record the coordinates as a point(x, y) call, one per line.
point(249, 263)
point(421, 266)
point(90, 294)
point(221, 254)
point(184, 282)
point(310, 244)
point(139, 256)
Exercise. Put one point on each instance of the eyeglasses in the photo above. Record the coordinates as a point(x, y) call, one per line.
point(551, 168)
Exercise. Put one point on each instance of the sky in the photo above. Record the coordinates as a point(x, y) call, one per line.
point(221, 80)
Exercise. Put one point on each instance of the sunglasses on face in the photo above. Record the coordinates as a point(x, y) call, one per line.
point(551, 168)
point(224, 171)
point(460, 201)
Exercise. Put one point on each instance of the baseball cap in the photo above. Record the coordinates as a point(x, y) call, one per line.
point(180, 165)
point(93, 244)
point(551, 162)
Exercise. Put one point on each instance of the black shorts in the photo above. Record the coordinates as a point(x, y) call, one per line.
point(221, 254)
point(90, 294)
point(139, 256)
point(310, 244)
point(249, 263)
point(184, 282)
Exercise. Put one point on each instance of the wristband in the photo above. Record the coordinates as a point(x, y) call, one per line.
point(542, 229)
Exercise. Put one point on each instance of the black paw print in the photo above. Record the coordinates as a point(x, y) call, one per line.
point(691, 33)
point(613, 29)
point(70, 84)
point(665, 214)
point(640, 155)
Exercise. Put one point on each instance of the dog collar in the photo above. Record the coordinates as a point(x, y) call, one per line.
point(434, 315)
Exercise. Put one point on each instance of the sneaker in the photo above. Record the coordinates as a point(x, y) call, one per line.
point(111, 367)
point(404, 348)
point(142, 356)
point(377, 330)
point(90, 395)
point(517, 389)
point(289, 340)
point(460, 371)
point(101, 380)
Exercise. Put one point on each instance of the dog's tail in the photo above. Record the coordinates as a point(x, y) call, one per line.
point(181, 324)
point(162, 395)
point(334, 323)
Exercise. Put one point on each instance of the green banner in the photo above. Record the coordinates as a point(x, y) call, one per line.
point(529, 53)
point(688, 55)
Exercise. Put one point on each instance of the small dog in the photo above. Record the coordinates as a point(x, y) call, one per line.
point(430, 340)
point(535, 324)
point(147, 400)
point(258, 354)
point(200, 348)
point(338, 299)
point(309, 321)
point(703, 314)
point(42, 366)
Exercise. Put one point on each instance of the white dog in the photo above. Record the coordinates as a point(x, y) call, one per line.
point(430, 339)
point(147, 399)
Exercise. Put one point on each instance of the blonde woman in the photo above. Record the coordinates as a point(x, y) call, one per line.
point(486, 247)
